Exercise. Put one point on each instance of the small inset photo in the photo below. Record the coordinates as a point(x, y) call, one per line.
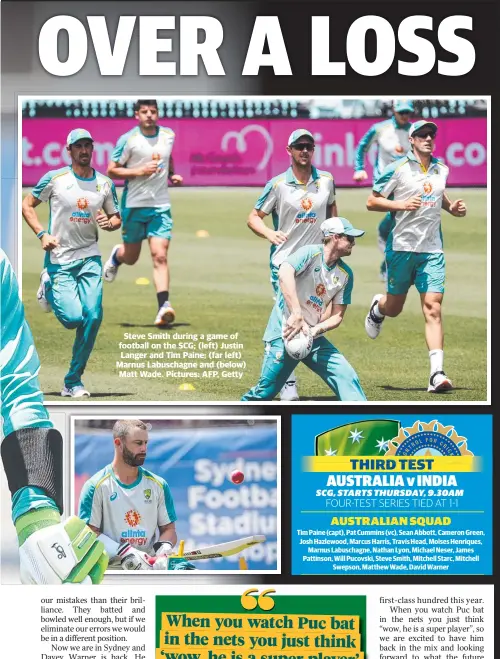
point(180, 493)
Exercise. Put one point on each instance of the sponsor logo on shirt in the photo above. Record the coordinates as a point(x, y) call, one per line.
point(132, 517)
point(306, 203)
point(315, 302)
point(113, 496)
point(82, 215)
point(320, 290)
point(133, 535)
point(147, 496)
point(427, 187)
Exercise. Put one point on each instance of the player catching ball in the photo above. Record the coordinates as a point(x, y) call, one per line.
point(413, 189)
point(299, 200)
point(315, 289)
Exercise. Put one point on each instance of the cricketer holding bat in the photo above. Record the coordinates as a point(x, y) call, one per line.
point(130, 508)
point(51, 551)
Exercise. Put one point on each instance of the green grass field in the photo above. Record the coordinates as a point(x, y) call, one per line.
point(220, 285)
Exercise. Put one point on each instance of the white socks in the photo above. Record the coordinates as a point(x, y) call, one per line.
point(377, 313)
point(437, 358)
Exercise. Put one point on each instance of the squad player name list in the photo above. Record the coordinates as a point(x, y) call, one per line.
point(180, 355)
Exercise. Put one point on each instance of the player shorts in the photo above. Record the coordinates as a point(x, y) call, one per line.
point(141, 223)
point(324, 360)
point(425, 270)
point(275, 279)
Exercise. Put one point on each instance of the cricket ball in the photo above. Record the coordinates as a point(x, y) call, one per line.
point(237, 477)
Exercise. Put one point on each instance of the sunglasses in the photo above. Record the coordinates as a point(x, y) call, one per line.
point(303, 145)
point(349, 238)
point(425, 135)
point(403, 111)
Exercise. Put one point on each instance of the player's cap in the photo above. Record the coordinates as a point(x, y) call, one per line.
point(78, 134)
point(418, 125)
point(403, 105)
point(297, 134)
point(338, 225)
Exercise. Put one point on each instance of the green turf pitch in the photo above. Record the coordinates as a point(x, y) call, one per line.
point(220, 284)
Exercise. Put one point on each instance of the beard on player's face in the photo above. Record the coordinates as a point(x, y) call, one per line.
point(132, 459)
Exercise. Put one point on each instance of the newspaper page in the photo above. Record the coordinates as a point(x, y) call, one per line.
point(231, 422)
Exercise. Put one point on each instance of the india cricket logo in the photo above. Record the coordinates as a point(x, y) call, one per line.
point(386, 437)
point(82, 203)
point(428, 439)
point(306, 203)
point(132, 517)
point(427, 187)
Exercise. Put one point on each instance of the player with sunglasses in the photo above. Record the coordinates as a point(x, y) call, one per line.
point(391, 138)
point(299, 199)
point(413, 189)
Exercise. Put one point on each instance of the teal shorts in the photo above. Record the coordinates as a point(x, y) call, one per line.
point(275, 278)
point(425, 270)
point(141, 223)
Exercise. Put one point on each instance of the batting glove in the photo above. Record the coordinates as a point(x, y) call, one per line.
point(133, 559)
point(163, 548)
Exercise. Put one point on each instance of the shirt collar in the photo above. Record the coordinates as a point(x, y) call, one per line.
point(411, 156)
point(291, 180)
point(406, 127)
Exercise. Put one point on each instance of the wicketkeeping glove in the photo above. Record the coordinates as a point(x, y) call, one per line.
point(133, 559)
point(55, 552)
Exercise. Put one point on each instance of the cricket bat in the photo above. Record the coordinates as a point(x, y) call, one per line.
point(224, 549)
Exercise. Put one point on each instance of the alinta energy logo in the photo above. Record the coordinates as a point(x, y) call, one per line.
point(82, 203)
point(306, 203)
point(427, 187)
point(320, 290)
point(386, 437)
point(133, 518)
